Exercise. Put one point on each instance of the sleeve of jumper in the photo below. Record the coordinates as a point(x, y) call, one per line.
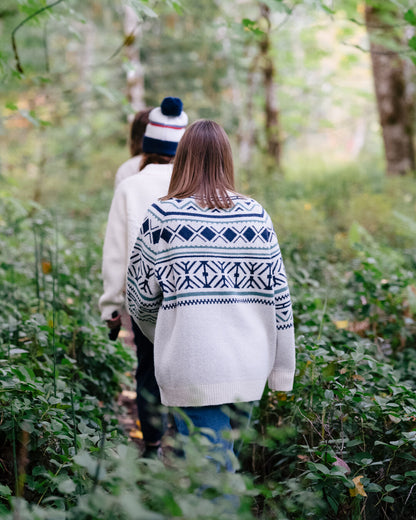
point(282, 374)
point(115, 258)
point(144, 294)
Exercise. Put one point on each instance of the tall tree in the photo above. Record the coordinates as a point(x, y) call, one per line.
point(270, 88)
point(390, 87)
point(135, 76)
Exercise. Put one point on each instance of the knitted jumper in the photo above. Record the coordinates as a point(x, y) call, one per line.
point(208, 287)
point(130, 201)
point(127, 169)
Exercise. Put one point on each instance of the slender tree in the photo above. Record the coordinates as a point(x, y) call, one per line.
point(135, 76)
point(389, 74)
point(272, 123)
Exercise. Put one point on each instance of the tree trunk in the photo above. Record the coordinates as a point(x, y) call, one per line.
point(270, 87)
point(390, 88)
point(246, 131)
point(135, 76)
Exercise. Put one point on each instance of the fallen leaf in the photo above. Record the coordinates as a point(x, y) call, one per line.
point(342, 464)
point(129, 394)
point(46, 267)
point(341, 324)
point(359, 488)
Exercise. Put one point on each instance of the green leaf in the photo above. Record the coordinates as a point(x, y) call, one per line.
point(412, 43)
point(388, 499)
point(320, 467)
point(11, 106)
point(373, 488)
point(67, 486)
point(333, 503)
point(327, 9)
point(354, 442)
point(410, 17)
point(30, 117)
point(5, 491)
point(252, 26)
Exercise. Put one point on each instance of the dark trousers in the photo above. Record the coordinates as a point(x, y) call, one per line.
point(148, 394)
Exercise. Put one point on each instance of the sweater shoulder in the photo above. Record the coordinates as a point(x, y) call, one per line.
point(244, 207)
point(151, 174)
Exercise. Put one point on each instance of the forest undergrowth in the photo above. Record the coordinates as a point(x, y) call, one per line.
point(341, 445)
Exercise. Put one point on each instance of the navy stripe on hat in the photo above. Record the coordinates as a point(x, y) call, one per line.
point(151, 145)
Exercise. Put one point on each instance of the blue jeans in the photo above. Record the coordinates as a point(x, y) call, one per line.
point(215, 418)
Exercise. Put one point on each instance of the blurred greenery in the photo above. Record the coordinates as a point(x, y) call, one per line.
point(342, 444)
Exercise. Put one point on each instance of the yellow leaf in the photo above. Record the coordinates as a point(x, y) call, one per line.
point(307, 206)
point(359, 488)
point(341, 324)
point(361, 8)
point(129, 394)
point(46, 267)
point(136, 434)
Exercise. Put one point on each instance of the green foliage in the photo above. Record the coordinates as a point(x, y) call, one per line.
point(342, 444)
point(350, 418)
point(59, 374)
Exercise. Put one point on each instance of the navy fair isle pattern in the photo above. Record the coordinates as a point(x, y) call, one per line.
point(186, 255)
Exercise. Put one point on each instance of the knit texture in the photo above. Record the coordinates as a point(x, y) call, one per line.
point(208, 286)
point(166, 127)
point(130, 201)
point(127, 169)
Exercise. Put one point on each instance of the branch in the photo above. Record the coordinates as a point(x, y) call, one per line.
point(128, 40)
point(33, 15)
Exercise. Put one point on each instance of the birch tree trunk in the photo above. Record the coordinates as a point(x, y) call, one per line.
point(135, 76)
point(246, 131)
point(392, 101)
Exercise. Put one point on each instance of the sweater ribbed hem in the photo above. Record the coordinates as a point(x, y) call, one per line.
point(281, 380)
point(213, 394)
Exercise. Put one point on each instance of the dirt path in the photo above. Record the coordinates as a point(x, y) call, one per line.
point(127, 399)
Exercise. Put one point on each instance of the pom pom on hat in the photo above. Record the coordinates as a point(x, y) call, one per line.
point(171, 106)
point(166, 126)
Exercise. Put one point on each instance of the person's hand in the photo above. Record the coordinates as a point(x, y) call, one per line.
point(114, 325)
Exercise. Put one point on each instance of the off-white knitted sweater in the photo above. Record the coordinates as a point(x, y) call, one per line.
point(127, 169)
point(209, 287)
point(130, 201)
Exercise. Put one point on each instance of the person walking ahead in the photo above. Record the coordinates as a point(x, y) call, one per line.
point(130, 201)
point(206, 282)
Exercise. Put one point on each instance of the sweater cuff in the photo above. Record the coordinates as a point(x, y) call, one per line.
point(281, 380)
point(107, 311)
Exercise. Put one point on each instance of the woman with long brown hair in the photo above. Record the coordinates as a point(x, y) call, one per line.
point(206, 282)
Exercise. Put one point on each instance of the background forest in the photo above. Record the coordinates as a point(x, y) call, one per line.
point(318, 98)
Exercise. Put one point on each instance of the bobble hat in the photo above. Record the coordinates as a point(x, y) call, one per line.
point(166, 126)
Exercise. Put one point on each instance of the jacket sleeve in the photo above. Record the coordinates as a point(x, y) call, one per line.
point(282, 374)
point(115, 258)
point(144, 295)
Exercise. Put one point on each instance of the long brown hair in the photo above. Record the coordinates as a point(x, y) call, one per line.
point(203, 166)
point(137, 130)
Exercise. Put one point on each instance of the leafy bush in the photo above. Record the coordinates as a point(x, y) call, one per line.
point(341, 445)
